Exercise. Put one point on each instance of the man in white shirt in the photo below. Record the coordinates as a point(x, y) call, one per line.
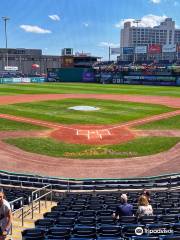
point(5, 217)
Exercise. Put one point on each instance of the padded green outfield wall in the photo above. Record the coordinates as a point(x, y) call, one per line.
point(71, 75)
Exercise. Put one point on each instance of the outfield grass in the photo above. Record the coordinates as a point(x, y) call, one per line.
point(111, 112)
point(138, 147)
point(8, 125)
point(163, 124)
point(42, 88)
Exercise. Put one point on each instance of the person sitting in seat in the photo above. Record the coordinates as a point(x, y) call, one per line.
point(124, 209)
point(144, 208)
point(147, 194)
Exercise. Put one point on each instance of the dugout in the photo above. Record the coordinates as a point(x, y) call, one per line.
point(70, 75)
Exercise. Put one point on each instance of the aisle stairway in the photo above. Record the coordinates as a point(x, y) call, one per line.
point(28, 221)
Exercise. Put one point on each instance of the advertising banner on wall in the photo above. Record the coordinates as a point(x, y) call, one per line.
point(115, 51)
point(141, 49)
point(154, 48)
point(88, 76)
point(169, 48)
point(128, 50)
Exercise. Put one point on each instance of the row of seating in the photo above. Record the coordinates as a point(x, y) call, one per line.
point(108, 232)
point(61, 184)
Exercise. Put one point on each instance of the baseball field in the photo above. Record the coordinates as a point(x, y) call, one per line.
point(133, 131)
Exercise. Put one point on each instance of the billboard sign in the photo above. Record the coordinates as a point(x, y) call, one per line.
point(141, 49)
point(169, 48)
point(115, 51)
point(88, 76)
point(128, 50)
point(154, 48)
point(10, 68)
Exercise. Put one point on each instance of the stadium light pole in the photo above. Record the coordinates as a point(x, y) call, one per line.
point(137, 21)
point(5, 31)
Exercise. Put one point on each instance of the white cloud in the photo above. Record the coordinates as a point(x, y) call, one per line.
point(155, 1)
point(85, 24)
point(149, 20)
point(54, 17)
point(108, 44)
point(34, 29)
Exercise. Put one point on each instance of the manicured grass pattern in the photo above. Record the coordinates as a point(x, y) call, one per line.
point(8, 125)
point(163, 124)
point(138, 147)
point(52, 88)
point(111, 112)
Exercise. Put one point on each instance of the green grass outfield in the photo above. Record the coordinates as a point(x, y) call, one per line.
point(52, 88)
point(110, 112)
point(138, 147)
point(163, 124)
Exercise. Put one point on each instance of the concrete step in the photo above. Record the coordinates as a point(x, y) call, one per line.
point(28, 221)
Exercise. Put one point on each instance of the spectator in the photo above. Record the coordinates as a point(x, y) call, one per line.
point(147, 195)
point(5, 217)
point(124, 209)
point(144, 208)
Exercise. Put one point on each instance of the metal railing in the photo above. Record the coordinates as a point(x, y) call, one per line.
point(37, 195)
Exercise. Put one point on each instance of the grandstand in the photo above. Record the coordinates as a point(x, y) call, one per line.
point(83, 208)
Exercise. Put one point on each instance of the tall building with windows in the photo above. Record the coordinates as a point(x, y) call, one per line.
point(150, 43)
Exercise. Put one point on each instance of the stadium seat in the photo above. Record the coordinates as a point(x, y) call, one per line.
point(84, 232)
point(170, 237)
point(58, 233)
point(44, 223)
point(33, 234)
point(109, 231)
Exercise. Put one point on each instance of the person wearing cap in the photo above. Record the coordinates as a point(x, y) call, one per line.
point(124, 209)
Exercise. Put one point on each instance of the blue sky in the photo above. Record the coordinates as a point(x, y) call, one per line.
point(84, 25)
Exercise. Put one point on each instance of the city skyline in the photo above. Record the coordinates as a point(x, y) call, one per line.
point(90, 26)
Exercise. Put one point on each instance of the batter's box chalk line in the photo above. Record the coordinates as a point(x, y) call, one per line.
point(93, 133)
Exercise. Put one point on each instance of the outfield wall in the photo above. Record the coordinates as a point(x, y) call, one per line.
point(157, 80)
point(71, 75)
point(23, 80)
point(90, 75)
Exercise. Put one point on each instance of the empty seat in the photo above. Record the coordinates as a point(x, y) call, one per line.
point(52, 215)
point(87, 221)
point(33, 234)
point(148, 219)
point(84, 232)
point(127, 219)
point(105, 220)
point(109, 231)
point(170, 237)
point(58, 233)
point(44, 223)
point(65, 221)
point(168, 218)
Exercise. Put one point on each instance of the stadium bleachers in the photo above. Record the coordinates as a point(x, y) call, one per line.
point(84, 207)
point(94, 219)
